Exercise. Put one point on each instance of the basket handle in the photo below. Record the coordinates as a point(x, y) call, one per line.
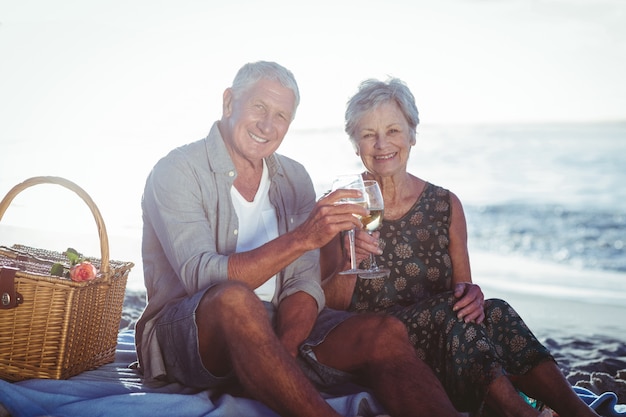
point(102, 232)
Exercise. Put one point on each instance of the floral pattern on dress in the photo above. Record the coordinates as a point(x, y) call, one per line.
point(466, 357)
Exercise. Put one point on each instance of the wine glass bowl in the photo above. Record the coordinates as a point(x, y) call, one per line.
point(351, 182)
point(371, 223)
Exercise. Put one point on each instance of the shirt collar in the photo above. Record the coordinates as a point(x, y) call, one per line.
point(220, 158)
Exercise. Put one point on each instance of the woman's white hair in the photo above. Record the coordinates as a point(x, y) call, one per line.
point(372, 93)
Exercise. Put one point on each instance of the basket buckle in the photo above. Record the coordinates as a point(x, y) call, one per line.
point(9, 298)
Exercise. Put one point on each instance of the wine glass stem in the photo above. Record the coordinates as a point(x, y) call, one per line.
point(373, 266)
point(352, 249)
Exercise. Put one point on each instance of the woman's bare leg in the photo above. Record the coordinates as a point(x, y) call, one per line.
point(504, 399)
point(546, 383)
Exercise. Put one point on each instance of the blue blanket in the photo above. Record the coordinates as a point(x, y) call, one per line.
point(115, 390)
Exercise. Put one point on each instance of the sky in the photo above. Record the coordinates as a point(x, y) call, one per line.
point(96, 90)
point(158, 67)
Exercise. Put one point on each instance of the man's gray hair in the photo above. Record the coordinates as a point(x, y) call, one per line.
point(252, 72)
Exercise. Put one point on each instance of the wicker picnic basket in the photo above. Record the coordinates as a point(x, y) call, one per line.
point(53, 327)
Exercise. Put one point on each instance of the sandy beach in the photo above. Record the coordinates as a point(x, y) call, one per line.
point(587, 340)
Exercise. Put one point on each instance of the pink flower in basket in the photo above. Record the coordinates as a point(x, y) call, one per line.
point(83, 271)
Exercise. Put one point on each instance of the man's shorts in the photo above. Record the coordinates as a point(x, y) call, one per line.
point(177, 334)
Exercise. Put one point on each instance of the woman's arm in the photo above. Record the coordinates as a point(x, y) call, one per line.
point(469, 306)
point(461, 271)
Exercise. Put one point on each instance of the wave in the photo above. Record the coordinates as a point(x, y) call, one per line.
point(591, 239)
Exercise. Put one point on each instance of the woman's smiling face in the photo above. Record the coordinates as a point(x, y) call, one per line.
point(383, 140)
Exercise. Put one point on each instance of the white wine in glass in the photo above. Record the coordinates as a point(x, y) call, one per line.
point(351, 182)
point(372, 223)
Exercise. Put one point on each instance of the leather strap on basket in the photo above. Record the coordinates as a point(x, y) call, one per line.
point(9, 298)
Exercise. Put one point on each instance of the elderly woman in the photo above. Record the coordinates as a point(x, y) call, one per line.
point(481, 350)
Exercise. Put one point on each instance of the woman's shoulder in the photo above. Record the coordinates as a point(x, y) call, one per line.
point(443, 192)
point(444, 199)
point(435, 188)
point(452, 201)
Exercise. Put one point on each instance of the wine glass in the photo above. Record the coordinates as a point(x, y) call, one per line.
point(351, 182)
point(371, 223)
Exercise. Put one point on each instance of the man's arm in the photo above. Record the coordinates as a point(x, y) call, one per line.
point(325, 221)
point(256, 266)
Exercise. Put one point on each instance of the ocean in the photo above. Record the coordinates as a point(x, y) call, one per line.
point(545, 203)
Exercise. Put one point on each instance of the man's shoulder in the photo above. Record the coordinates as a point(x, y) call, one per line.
point(192, 153)
point(288, 164)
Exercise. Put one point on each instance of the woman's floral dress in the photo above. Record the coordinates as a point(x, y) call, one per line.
point(466, 357)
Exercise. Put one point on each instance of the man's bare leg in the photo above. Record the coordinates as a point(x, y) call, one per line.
point(234, 332)
point(378, 348)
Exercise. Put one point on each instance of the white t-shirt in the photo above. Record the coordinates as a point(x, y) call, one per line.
point(257, 225)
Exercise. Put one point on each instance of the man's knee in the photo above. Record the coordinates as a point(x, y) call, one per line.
point(229, 297)
point(229, 311)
